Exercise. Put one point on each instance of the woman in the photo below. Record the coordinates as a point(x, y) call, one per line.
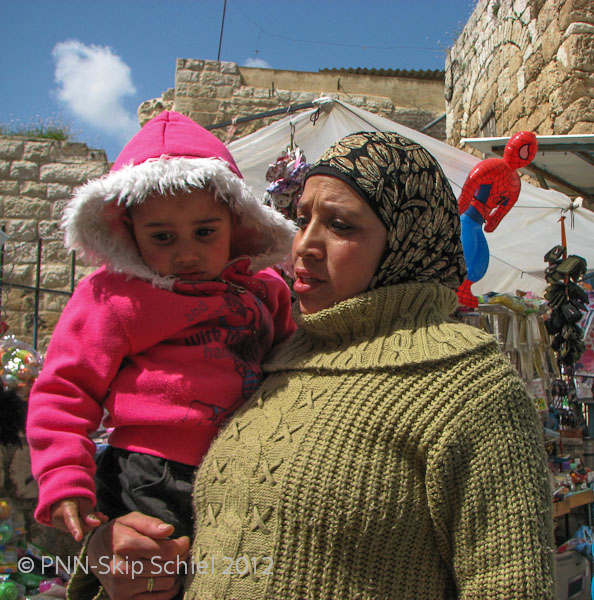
point(391, 452)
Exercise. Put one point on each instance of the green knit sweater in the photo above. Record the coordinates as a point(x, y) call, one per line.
point(390, 454)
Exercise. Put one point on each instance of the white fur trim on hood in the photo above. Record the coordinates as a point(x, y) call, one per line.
point(94, 227)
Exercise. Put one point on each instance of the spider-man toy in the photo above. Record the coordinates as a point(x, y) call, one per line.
point(489, 192)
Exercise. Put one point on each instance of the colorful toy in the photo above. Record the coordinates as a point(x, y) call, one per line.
point(9, 590)
point(489, 192)
point(20, 363)
point(286, 176)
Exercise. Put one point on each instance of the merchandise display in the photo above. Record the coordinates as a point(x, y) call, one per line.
point(24, 567)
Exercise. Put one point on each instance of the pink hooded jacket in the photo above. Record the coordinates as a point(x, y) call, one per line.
point(164, 361)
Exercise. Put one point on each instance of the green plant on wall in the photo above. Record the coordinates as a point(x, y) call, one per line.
point(49, 129)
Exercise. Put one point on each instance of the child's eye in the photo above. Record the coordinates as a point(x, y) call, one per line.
point(162, 237)
point(203, 232)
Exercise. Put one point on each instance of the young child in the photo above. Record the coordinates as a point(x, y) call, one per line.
point(167, 335)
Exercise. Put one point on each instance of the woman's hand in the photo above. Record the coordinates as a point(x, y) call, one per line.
point(133, 557)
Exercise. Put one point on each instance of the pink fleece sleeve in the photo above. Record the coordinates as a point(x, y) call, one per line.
point(279, 304)
point(65, 405)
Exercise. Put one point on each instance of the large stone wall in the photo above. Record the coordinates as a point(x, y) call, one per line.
point(212, 92)
point(37, 178)
point(522, 65)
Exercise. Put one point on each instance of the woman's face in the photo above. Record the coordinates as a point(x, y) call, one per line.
point(338, 245)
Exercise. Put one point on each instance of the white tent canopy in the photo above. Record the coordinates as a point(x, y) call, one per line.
point(517, 247)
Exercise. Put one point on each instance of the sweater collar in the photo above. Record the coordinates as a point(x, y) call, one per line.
point(387, 327)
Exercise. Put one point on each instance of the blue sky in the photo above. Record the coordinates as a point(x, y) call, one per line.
point(90, 63)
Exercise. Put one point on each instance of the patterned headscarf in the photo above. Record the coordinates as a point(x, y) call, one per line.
point(407, 190)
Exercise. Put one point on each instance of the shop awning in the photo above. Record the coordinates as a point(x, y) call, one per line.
point(563, 162)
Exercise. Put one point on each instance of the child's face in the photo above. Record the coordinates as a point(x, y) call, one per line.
point(184, 235)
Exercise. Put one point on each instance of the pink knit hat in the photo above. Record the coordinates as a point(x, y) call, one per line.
point(170, 154)
point(173, 135)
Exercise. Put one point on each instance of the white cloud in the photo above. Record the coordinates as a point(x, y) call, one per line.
point(260, 63)
point(92, 81)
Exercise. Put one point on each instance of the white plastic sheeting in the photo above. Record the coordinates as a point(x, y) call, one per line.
point(517, 247)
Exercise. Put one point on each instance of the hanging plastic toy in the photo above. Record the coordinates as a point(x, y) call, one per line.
point(489, 192)
point(286, 177)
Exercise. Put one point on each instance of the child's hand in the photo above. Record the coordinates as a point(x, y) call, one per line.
point(76, 516)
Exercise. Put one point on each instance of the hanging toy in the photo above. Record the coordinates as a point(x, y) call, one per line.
point(489, 192)
point(286, 177)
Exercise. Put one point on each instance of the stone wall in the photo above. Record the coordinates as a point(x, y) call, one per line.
point(522, 65)
point(215, 92)
point(37, 178)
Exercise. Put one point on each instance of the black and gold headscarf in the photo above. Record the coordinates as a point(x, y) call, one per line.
point(407, 190)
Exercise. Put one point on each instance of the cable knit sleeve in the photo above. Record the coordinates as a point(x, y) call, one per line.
point(65, 406)
point(489, 492)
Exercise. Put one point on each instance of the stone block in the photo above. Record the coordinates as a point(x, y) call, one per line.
point(39, 151)
point(50, 230)
point(547, 15)
point(22, 252)
point(11, 148)
point(539, 116)
point(202, 118)
point(57, 208)
point(22, 169)
point(225, 91)
point(211, 65)
point(581, 128)
point(577, 50)
point(22, 230)
point(55, 277)
point(550, 42)
point(520, 7)
point(77, 152)
point(516, 108)
point(22, 207)
point(520, 125)
point(192, 64)
point(9, 187)
point(551, 78)
point(207, 105)
point(581, 110)
point(229, 68)
point(57, 191)
point(54, 302)
point(32, 188)
point(216, 79)
point(4, 169)
point(245, 91)
point(187, 76)
point(569, 91)
point(521, 80)
point(532, 97)
point(194, 90)
point(533, 66)
point(23, 274)
point(54, 250)
point(576, 11)
point(71, 173)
